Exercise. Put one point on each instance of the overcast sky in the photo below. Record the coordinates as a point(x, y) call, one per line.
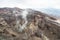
point(37, 4)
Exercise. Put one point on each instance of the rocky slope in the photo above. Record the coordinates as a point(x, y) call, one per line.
point(27, 24)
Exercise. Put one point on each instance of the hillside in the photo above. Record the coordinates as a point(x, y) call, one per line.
point(28, 24)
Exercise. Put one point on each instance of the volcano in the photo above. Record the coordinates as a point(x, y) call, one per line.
point(28, 24)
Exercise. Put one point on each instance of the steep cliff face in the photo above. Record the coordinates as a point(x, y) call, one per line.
point(27, 24)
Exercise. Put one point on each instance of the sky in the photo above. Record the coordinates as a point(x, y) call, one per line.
point(35, 4)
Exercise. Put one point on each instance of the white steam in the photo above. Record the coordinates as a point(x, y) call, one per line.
point(20, 27)
point(24, 15)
